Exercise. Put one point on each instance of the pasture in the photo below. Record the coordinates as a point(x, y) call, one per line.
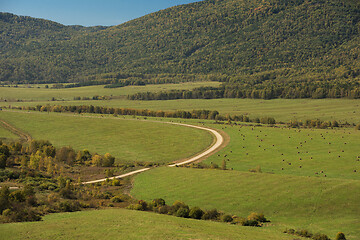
point(126, 224)
point(127, 139)
point(331, 153)
point(343, 110)
point(39, 93)
point(317, 204)
point(5, 134)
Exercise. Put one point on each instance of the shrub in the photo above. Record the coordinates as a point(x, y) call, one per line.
point(196, 213)
point(137, 207)
point(257, 217)
point(320, 236)
point(158, 202)
point(210, 215)
point(226, 218)
point(340, 236)
point(163, 209)
point(250, 223)
point(116, 199)
point(144, 205)
point(183, 212)
point(304, 233)
point(115, 182)
point(68, 206)
point(178, 204)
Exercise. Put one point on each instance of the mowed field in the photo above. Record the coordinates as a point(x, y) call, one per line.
point(126, 224)
point(331, 153)
point(127, 139)
point(40, 93)
point(317, 204)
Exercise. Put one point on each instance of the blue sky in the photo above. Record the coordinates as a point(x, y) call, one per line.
point(87, 12)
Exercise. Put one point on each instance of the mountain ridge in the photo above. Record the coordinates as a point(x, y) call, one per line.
point(236, 38)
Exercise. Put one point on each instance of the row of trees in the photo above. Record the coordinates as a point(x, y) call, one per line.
point(180, 209)
point(195, 114)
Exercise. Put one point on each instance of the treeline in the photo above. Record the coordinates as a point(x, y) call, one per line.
point(258, 91)
point(180, 209)
point(195, 114)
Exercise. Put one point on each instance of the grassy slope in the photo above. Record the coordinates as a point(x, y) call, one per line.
point(44, 94)
point(125, 224)
point(281, 109)
point(268, 147)
point(5, 134)
point(316, 204)
point(127, 140)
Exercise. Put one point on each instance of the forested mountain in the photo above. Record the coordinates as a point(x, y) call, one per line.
point(247, 42)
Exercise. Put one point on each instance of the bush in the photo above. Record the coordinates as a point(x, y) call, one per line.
point(116, 199)
point(320, 236)
point(340, 236)
point(196, 213)
point(257, 217)
point(250, 223)
point(183, 212)
point(304, 233)
point(144, 205)
point(68, 206)
point(137, 207)
point(226, 218)
point(158, 202)
point(210, 215)
point(178, 204)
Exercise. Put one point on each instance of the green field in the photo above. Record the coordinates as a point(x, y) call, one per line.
point(126, 224)
point(281, 109)
point(300, 152)
point(46, 94)
point(5, 134)
point(127, 139)
point(317, 204)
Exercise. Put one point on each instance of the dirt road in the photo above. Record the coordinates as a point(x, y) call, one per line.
point(219, 140)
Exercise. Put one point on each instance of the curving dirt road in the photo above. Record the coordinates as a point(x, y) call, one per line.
point(219, 140)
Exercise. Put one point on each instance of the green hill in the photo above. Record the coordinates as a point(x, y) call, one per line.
point(254, 43)
point(126, 224)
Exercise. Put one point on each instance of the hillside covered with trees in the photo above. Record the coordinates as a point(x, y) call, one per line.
point(259, 49)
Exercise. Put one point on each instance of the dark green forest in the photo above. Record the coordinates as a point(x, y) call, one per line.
point(259, 49)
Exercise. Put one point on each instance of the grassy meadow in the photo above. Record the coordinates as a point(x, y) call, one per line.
point(343, 110)
point(317, 204)
point(39, 93)
point(328, 153)
point(126, 224)
point(5, 134)
point(310, 178)
point(127, 139)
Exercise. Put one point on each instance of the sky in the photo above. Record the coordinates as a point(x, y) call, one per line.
point(87, 12)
